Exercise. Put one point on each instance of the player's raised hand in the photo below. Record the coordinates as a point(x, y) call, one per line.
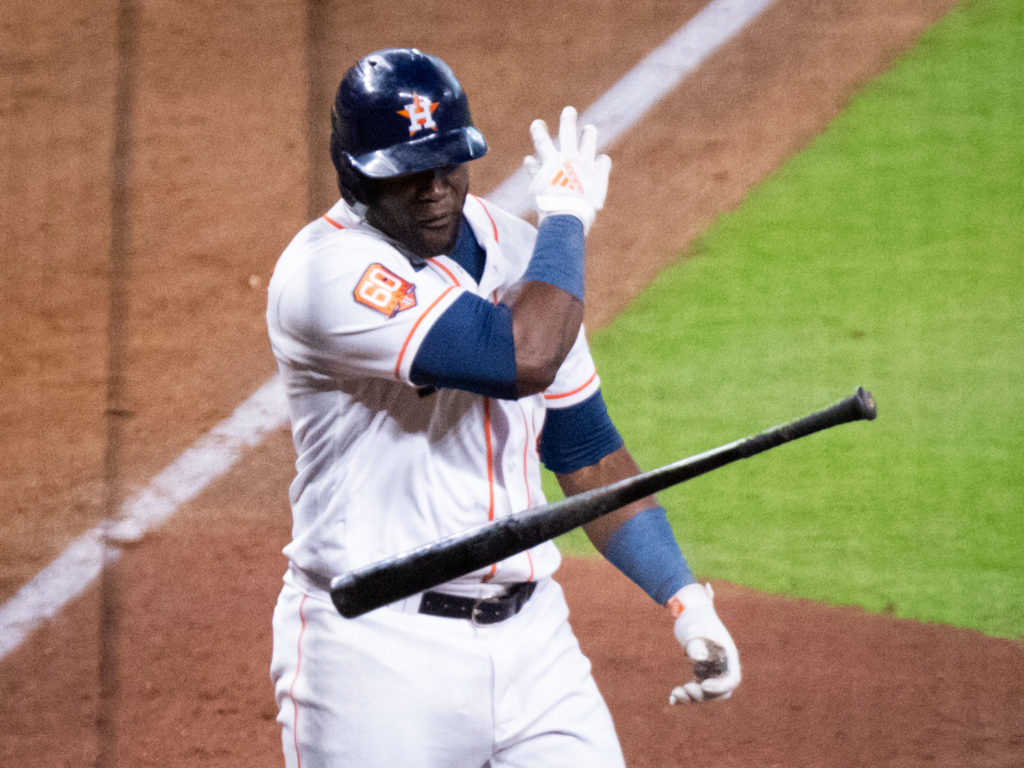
point(716, 661)
point(570, 178)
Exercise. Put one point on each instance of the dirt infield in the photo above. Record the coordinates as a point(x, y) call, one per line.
point(218, 184)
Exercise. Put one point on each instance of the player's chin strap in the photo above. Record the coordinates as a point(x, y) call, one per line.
point(716, 661)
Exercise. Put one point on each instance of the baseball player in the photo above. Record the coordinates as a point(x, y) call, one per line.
point(433, 356)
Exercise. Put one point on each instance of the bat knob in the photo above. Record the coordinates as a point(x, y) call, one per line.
point(866, 408)
point(341, 595)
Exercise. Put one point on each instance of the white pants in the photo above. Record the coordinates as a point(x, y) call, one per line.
point(396, 688)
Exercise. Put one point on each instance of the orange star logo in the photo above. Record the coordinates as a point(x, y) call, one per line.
point(420, 113)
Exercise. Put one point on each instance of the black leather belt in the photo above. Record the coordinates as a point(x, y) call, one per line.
point(488, 610)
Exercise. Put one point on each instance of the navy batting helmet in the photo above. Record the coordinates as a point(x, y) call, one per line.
point(400, 111)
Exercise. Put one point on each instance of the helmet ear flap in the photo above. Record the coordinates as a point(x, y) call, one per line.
point(352, 184)
point(350, 181)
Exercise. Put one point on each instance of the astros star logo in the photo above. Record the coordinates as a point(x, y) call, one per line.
point(420, 113)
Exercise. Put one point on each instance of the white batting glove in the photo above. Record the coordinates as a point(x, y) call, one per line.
point(571, 178)
point(716, 662)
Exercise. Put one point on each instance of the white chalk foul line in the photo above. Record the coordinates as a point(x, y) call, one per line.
point(190, 474)
point(661, 71)
point(216, 452)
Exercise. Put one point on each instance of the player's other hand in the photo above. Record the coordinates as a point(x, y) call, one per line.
point(716, 662)
point(570, 178)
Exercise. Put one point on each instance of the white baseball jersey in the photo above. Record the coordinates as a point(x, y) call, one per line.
point(382, 467)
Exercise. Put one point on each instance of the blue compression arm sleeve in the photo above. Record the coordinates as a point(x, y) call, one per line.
point(558, 254)
point(470, 347)
point(645, 549)
point(578, 436)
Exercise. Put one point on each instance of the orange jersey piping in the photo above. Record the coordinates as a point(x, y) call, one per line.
point(494, 225)
point(291, 688)
point(574, 391)
point(490, 475)
point(443, 268)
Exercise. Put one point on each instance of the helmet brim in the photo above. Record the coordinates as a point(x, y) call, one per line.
point(431, 151)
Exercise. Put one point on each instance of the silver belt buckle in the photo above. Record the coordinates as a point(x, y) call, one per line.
point(474, 615)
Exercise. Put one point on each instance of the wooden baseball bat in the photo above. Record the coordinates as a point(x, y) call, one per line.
point(432, 564)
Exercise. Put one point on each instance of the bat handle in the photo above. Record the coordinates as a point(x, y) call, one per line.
point(860, 406)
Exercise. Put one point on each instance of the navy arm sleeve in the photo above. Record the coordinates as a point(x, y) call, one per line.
point(578, 436)
point(470, 347)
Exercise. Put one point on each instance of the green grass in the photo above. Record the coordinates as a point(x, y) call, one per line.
point(886, 254)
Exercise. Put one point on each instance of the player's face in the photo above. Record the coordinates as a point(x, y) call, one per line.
point(421, 210)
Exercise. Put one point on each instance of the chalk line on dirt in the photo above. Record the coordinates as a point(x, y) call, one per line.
point(640, 89)
point(216, 452)
point(186, 477)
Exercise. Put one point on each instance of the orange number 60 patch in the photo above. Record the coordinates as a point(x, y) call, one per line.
point(381, 289)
